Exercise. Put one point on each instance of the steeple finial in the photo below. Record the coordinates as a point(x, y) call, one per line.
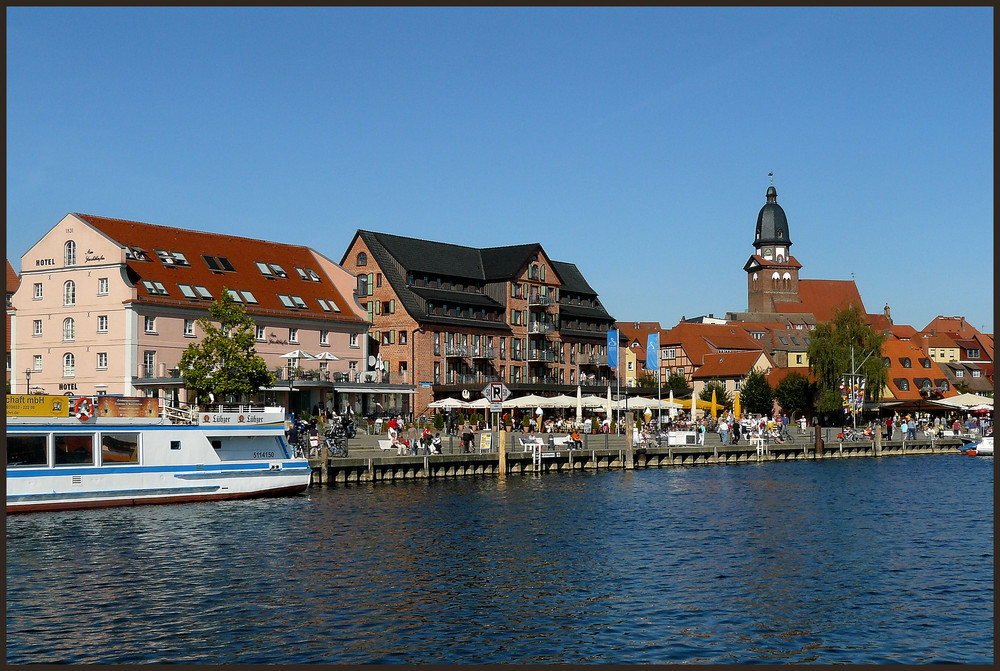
point(771, 175)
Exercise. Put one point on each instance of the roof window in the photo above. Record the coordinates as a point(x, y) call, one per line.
point(235, 295)
point(286, 301)
point(264, 269)
point(299, 303)
point(323, 304)
point(171, 259)
point(155, 288)
point(218, 264)
point(278, 270)
point(248, 297)
point(905, 362)
point(925, 362)
point(187, 291)
point(302, 273)
point(203, 292)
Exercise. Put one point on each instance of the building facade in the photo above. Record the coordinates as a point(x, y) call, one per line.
point(451, 318)
point(107, 306)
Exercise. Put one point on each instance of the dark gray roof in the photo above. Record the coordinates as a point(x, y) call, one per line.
point(456, 297)
point(772, 225)
point(584, 312)
point(502, 263)
point(572, 278)
point(424, 256)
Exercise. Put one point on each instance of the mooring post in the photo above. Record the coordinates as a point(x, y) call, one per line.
point(502, 451)
point(323, 466)
point(818, 440)
point(629, 447)
point(878, 440)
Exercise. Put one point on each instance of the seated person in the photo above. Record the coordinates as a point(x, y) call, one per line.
point(436, 444)
point(575, 442)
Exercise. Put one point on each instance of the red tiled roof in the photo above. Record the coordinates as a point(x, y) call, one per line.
point(935, 340)
point(896, 350)
point(776, 375)
point(902, 331)
point(822, 297)
point(13, 281)
point(729, 365)
point(790, 263)
point(957, 325)
point(242, 253)
point(699, 340)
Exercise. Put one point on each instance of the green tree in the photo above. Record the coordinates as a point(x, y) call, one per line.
point(225, 363)
point(830, 348)
point(794, 393)
point(756, 396)
point(675, 382)
point(646, 380)
point(721, 395)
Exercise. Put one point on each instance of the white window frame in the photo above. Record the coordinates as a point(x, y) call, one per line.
point(37, 363)
point(69, 293)
point(38, 292)
point(324, 337)
point(102, 323)
point(36, 328)
point(102, 361)
point(188, 328)
point(69, 253)
point(260, 334)
point(102, 286)
point(353, 342)
point(293, 335)
point(69, 329)
point(69, 365)
point(149, 324)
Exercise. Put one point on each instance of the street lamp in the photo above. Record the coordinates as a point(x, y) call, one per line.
point(27, 375)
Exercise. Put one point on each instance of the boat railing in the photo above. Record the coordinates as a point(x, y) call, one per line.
point(179, 415)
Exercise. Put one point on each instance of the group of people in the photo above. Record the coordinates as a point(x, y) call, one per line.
point(406, 441)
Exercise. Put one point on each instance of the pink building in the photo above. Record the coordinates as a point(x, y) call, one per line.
point(107, 306)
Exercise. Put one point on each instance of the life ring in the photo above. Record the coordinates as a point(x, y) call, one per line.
point(83, 409)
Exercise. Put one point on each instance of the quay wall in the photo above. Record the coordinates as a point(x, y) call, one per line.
point(388, 468)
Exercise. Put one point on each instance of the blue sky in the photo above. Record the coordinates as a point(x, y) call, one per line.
point(635, 143)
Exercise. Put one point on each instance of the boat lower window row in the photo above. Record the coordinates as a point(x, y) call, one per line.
point(74, 449)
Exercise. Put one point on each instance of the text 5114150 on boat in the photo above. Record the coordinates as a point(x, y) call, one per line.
point(85, 452)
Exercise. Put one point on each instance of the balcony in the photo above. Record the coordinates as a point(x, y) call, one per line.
point(541, 355)
point(482, 352)
point(535, 298)
point(516, 356)
point(540, 328)
point(456, 351)
point(542, 379)
point(593, 360)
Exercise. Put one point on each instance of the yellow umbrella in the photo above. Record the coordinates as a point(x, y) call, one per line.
point(736, 405)
point(713, 404)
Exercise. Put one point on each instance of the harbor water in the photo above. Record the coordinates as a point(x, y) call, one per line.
point(841, 561)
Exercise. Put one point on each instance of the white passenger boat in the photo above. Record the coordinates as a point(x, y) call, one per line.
point(66, 453)
point(983, 448)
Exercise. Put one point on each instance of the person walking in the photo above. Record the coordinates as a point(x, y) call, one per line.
point(888, 428)
point(724, 431)
point(701, 433)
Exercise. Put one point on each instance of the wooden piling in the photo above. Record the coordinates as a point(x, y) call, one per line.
point(502, 452)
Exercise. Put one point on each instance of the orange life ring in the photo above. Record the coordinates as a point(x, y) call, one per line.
point(83, 409)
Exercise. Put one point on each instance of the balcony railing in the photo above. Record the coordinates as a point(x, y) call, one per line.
point(542, 379)
point(535, 298)
point(517, 356)
point(593, 360)
point(456, 351)
point(541, 355)
point(483, 352)
point(541, 327)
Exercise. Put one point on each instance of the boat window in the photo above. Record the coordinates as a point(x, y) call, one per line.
point(74, 450)
point(119, 448)
point(217, 444)
point(175, 444)
point(26, 451)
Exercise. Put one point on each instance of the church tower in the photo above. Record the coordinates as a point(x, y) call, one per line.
point(772, 272)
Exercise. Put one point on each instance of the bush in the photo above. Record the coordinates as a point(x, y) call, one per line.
point(439, 421)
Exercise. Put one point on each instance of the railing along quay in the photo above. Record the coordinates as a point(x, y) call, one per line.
point(611, 454)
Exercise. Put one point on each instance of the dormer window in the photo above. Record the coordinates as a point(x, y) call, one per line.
point(905, 362)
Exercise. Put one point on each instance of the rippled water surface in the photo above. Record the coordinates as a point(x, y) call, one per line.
point(843, 561)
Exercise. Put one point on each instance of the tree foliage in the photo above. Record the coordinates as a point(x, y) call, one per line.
point(830, 349)
point(756, 396)
point(225, 362)
point(646, 380)
point(794, 393)
point(675, 382)
point(721, 395)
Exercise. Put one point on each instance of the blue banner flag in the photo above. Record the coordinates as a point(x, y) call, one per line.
point(653, 352)
point(613, 348)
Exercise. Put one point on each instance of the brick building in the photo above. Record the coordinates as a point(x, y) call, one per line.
point(451, 318)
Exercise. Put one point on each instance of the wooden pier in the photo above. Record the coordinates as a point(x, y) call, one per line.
point(382, 468)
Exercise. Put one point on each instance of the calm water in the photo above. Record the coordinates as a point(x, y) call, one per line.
point(857, 561)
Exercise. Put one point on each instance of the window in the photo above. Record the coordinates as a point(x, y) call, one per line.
point(371, 283)
point(402, 337)
point(189, 328)
point(278, 270)
point(150, 324)
point(903, 384)
point(102, 323)
point(977, 373)
point(37, 362)
point(299, 303)
point(378, 279)
point(670, 353)
point(905, 361)
point(437, 345)
point(323, 304)
point(36, 326)
point(155, 288)
point(102, 286)
point(798, 358)
point(264, 269)
point(286, 301)
point(38, 292)
point(293, 335)
point(959, 373)
point(302, 273)
point(124, 447)
point(972, 353)
point(925, 362)
point(362, 259)
point(74, 450)
point(26, 451)
point(187, 291)
point(69, 330)
point(260, 333)
point(69, 253)
point(149, 362)
point(102, 361)
point(69, 293)
point(248, 297)
point(353, 340)
point(69, 365)
point(203, 292)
